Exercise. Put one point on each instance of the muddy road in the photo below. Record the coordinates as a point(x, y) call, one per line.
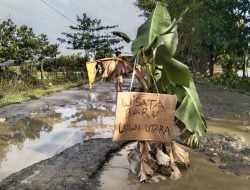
point(62, 141)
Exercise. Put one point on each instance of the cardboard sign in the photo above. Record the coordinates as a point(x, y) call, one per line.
point(144, 116)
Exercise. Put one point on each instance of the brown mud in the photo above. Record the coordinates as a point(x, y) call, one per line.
point(225, 146)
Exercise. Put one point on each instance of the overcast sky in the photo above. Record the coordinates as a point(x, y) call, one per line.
point(35, 14)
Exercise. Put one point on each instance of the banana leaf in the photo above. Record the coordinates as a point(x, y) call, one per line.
point(155, 25)
point(175, 71)
point(190, 111)
point(122, 35)
point(169, 41)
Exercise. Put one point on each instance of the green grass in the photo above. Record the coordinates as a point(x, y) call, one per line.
point(11, 97)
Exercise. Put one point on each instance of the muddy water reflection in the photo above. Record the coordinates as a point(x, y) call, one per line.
point(237, 125)
point(39, 137)
point(201, 175)
point(31, 140)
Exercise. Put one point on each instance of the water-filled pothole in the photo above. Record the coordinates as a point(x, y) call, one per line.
point(36, 138)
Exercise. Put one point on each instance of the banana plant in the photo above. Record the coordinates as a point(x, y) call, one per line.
point(154, 48)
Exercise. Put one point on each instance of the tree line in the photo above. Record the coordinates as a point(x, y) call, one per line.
point(35, 58)
point(212, 31)
point(21, 45)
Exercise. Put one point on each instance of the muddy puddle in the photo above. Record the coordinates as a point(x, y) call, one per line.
point(36, 138)
point(201, 175)
point(236, 125)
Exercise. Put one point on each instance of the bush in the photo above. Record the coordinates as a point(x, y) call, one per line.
point(231, 81)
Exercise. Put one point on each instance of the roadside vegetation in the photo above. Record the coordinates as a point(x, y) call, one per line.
point(16, 96)
point(212, 33)
point(232, 82)
point(31, 67)
point(22, 83)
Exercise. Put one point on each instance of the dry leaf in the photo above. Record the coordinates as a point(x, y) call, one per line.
point(161, 158)
point(134, 161)
point(175, 174)
point(165, 170)
point(150, 159)
point(112, 68)
point(181, 157)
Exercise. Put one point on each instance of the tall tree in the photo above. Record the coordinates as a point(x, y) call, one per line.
point(215, 26)
point(7, 40)
point(211, 28)
point(240, 42)
point(26, 42)
point(42, 51)
point(22, 45)
point(91, 36)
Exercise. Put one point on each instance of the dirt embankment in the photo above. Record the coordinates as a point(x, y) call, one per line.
point(76, 167)
point(218, 101)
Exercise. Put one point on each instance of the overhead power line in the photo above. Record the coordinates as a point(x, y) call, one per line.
point(54, 9)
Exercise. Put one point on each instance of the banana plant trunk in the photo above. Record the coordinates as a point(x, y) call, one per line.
point(151, 159)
